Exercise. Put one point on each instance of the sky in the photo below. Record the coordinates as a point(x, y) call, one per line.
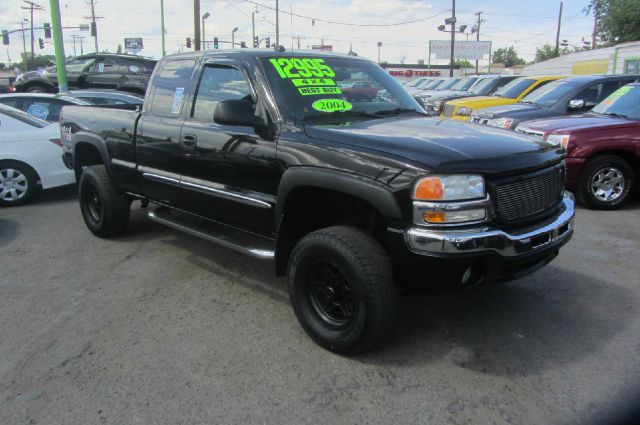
point(522, 24)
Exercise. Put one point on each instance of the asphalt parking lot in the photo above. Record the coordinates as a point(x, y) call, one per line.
point(158, 327)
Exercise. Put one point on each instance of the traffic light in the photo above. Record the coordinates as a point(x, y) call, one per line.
point(215, 42)
point(268, 41)
point(41, 43)
point(188, 42)
point(256, 42)
point(5, 37)
point(94, 30)
point(243, 45)
point(47, 30)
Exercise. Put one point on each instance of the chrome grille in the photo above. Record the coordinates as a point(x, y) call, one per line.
point(448, 110)
point(525, 198)
point(529, 131)
point(479, 120)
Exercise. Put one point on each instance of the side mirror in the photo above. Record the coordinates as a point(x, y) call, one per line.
point(576, 104)
point(235, 112)
point(419, 100)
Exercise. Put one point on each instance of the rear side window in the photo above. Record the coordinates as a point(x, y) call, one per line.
point(219, 83)
point(169, 86)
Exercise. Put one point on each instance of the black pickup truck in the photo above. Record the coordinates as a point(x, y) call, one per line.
point(262, 152)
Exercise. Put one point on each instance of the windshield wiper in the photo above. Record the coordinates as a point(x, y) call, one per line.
point(397, 111)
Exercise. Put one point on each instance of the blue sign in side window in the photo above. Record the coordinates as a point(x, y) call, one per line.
point(38, 110)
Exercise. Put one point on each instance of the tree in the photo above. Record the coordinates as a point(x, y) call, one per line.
point(463, 63)
point(545, 52)
point(119, 51)
point(618, 21)
point(508, 57)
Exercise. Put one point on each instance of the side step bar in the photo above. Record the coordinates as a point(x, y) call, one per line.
point(218, 233)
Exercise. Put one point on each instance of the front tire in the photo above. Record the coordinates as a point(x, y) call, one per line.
point(18, 183)
point(105, 210)
point(342, 289)
point(37, 88)
point(606, 182)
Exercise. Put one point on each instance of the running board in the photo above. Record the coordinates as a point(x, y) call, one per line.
point(229, 237)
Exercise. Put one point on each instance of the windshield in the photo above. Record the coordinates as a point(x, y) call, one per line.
point(311, 87)
point(464, 84)
point(417, 82)
point(431, 85)
point(482, 86)
point(550, 94)
point(515, 88)
point(624, 102)
point(448, 84)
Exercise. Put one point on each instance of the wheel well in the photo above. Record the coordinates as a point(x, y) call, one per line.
point(30, 84)
point(311, 208)
point(630, 157)
point(4, 161)
point(85, 154)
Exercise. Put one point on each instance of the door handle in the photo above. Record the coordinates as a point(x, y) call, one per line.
point(189, 140)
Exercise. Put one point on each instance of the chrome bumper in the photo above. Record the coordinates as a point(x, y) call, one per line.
point(487, 239)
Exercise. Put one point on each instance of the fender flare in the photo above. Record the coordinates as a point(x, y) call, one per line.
point(95, 141)
point(367, 189)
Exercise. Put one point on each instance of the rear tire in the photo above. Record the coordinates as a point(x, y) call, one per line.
point(38, 88)
point(18, 183)
point(342, 289)
point(606, 182)
point(105, 210)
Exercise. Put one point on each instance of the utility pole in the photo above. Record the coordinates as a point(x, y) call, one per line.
point(558, 32)
point(379, 46)
point(277, 24)
point(164, 51)
point(595, 25)
point(479, 15)
point(31, 8)
point(196, 25)
point(453, 36)
point(24, 48)
point(253, 26)
point(93, 22)
point(56, 26)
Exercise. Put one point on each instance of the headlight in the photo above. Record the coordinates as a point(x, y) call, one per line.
point(465, 111)
point(500, 122)
point(559, 140)
point(449, 188)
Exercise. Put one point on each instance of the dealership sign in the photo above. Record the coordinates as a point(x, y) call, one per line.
point(463, 49)
point(408, 73)
point(133, 44)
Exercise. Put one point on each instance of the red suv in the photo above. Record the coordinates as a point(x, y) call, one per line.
point(603, 148)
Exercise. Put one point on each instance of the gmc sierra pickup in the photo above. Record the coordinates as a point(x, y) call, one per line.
point(262, 152)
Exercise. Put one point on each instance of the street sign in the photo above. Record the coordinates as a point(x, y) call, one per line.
point(463, 49)
point(133, 44)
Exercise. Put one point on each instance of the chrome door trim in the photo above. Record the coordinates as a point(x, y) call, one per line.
point(209, 188)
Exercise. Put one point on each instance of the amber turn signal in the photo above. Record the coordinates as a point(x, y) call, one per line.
point(429, 189)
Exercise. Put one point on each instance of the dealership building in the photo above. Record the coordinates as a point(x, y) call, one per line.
point(620, 59)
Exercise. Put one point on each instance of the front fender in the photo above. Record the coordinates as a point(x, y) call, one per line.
point(375, 193)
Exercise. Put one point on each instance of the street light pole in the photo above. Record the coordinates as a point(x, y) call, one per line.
point(56, 26)
point(277, 24)
point(233, 38)
point(453, 36)
point(196, 25)
point(204, 38)
point(253, 25)
point(164, 51)
point(379, 46)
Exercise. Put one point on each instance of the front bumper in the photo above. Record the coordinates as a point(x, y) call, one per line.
point(519, 242)
point(430, 257)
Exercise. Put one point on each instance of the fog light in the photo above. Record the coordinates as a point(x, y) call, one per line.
point(467, 275)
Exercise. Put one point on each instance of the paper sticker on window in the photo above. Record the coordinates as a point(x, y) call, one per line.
point(306, 91)
point(39, 111)
point(331, 105)
point(101, 67)
point(177, 100)
point(309, 75)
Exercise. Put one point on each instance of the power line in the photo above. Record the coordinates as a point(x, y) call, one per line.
point(346, 23)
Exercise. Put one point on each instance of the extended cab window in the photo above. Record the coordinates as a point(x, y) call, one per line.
point(169, 87)
point(219, 83)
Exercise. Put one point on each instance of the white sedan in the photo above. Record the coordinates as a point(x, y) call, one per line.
point(30, 157)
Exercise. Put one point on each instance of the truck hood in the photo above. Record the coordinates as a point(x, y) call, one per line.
point(478, 102)
point(444, 146)
point(518, 111)
point(578, 123)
